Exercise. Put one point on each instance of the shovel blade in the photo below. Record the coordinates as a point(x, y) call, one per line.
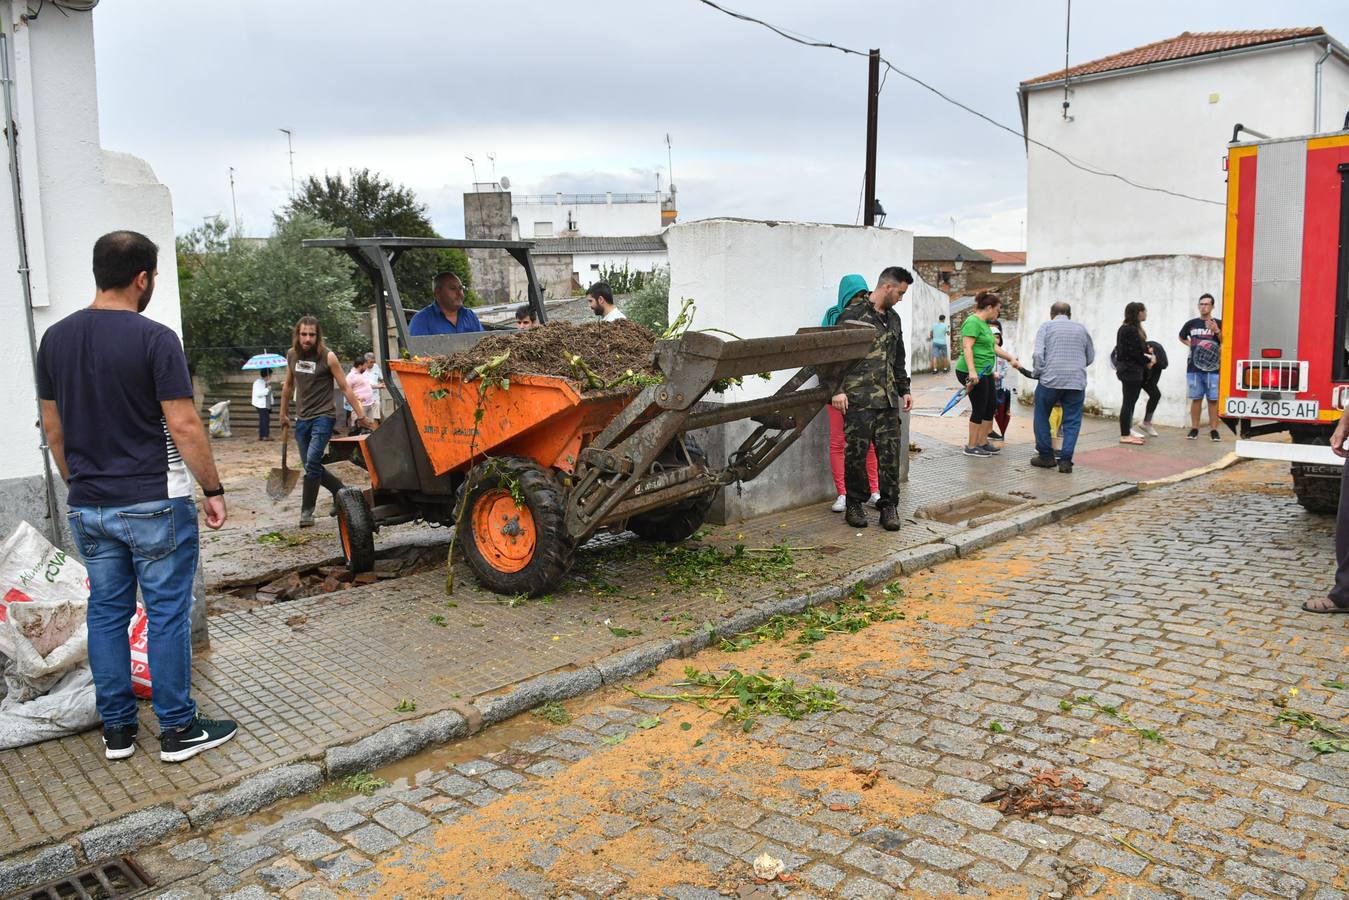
point(281, 482)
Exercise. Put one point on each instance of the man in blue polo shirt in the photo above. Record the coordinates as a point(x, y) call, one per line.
point(447, 315)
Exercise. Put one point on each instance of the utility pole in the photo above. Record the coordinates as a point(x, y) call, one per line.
point(873, 98)
point(669, 159)
point(290, 151)
point(234, 204)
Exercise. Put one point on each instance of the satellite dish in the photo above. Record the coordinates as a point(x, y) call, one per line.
point(505, 183)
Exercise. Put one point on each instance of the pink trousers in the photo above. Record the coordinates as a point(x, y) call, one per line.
point(836, 453)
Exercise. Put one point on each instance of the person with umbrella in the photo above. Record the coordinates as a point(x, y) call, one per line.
point(263, 364)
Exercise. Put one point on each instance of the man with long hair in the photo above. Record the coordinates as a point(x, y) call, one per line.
point(311, 371)
point(123, 429)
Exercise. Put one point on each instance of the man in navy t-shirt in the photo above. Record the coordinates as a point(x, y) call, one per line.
point(122, 425)
point(1204, 337)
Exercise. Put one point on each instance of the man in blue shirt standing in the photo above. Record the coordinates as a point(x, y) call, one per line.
point(447, 315)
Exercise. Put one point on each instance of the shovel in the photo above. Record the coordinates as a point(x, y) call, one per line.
point(281, 482)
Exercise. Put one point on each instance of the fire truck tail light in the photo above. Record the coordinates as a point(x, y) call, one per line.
point(1271, 353)
point(1285, 376)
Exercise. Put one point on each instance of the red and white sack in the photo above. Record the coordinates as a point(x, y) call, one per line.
point(140, 656)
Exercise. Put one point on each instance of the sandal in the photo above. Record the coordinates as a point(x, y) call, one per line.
point(1329, 608)
point(1130, 439)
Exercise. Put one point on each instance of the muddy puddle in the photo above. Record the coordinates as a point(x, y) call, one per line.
point(970, 510)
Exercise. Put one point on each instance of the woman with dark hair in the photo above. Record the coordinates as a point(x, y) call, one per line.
point(1132, 363)
point(974, 369)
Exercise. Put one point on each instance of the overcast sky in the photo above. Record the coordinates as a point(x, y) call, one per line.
point(578, 97)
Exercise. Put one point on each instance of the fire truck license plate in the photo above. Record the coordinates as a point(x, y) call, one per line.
point(1255, 408)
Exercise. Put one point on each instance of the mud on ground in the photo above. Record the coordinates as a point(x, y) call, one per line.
point(609, 349)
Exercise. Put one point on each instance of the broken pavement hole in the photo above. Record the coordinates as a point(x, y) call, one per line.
point(969, 510)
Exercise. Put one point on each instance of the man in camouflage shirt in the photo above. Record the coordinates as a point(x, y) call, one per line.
point(870, 398)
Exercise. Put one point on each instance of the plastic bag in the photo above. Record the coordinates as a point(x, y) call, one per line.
point(220, 419)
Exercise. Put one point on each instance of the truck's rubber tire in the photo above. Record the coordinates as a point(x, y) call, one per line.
point(1317, 492)
point(515, 549)
point(673, 524)
point(355, 530)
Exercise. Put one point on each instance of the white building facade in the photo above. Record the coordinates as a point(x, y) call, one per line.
point(557, 215)
point(71, 192)
point(1161, 116)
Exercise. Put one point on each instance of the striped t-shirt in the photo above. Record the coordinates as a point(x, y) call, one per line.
point(108, 371)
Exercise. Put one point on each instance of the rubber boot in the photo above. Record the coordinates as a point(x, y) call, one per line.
point(309, 492)
point(889, 518)
point(333, 484)
point(855, 514)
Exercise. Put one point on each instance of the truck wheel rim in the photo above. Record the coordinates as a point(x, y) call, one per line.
point(345, 534)
point(503, 532)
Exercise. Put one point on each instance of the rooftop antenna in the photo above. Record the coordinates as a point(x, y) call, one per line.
point(474, 167)
point(669, 158)
point(493, 158)
point(290, 151)
point(1067, 35)
point(234, 204)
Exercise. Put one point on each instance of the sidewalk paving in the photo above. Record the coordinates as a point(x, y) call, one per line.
point(308, 675)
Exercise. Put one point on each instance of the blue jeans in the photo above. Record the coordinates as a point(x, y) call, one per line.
point(153, 545)
point(1046, 398)
point(312, 436)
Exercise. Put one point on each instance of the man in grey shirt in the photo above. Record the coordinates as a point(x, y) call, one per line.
point(1063, 350)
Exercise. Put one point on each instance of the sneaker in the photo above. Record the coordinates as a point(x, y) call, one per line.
point(1138, 432)
point(1215, 436)
point(840, 503)
point(1152, 432)
point(990, 449)
point(1193, 435)
point(995, 436)
point(1042, 462)
point(874, 500)
point(1066, 466)
point(119, 741)
point(200, 734)
point(977, 451)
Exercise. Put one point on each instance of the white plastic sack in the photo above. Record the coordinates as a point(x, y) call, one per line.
point(220, 419)
point(44, 641)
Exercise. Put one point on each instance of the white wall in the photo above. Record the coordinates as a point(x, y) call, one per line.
point(591, 219)
point(758, 279)
point(74, 191)
point(1159, 128)
point(637, 262)
point(924, 303)
point(1168, 286)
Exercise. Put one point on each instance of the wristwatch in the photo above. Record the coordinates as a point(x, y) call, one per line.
point(218, 492)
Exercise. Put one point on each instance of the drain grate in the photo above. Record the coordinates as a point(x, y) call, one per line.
point(110, 879)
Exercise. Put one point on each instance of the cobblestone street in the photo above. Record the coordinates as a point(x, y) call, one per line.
point(1145, 650)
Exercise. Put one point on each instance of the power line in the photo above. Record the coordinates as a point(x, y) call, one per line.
point(890, 67)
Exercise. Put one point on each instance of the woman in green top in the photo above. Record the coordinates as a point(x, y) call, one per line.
point(974, 369)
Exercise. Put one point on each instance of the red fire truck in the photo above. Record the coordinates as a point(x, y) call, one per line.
point(1285, 346)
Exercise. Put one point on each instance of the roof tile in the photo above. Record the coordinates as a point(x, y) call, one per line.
point(1183, 45)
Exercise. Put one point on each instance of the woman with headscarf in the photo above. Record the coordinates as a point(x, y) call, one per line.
point(849, 288)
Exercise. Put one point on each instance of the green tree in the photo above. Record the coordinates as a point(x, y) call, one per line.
point(366, 203)
point(240, 299)
point(650, 305)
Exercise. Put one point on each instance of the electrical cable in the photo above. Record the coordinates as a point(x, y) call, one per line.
point(826, 45)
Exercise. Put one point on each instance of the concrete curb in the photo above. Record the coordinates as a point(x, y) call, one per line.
point(392, 743)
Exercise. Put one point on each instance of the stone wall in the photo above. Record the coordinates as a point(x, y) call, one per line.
point(555, 272)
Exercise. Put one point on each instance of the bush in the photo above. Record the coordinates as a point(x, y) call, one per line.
point(239, 299)
point(650, 306)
